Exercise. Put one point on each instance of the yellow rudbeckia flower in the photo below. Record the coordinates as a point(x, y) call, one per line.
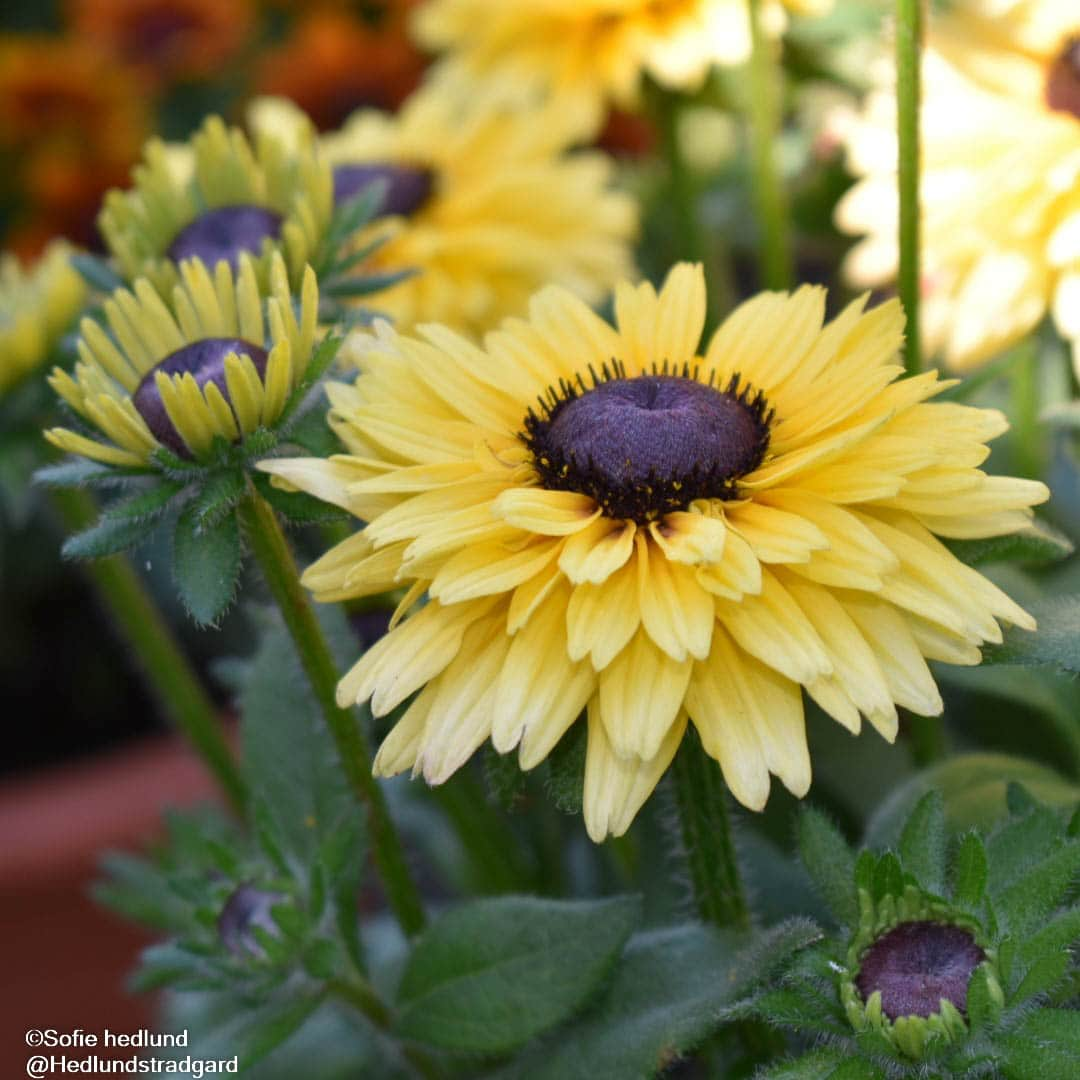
point(605, 519)
point(212, 367)
point(1000, 178)
point(36, 307)
point(215, 198)
point(485, 203)
point(591, 53)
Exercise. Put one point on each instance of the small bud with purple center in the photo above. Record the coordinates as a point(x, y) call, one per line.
point(407, 188)
point(246, 909)
point(205, 362)
point(917, 964)
point(225, 233)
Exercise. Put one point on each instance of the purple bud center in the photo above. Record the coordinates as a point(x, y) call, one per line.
point(205, 362)
point(407, 189)
point(224, 234)
point(246, 909)
point(916, 964)
point(650, 444)
point(1063, 80)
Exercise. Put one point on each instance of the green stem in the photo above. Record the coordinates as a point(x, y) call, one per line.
point(908, 43)
point(769, 194)
point(1025, 412)
point(167, 669)
point(926, 734)
point(707, 839)
point(689, 241)
point(275, 557)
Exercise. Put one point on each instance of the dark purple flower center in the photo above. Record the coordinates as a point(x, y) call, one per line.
point(916, 964)
point(246, 909)
point(647, 445)
point(1063, 80)
point(224, 234)
point(205, 362)
point(407, 188)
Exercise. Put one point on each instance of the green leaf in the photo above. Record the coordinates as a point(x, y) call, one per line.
point(923, 843)
point(1055, 644)
point(366, 284)
point(107, 537)
point(206, 564)
point(1029, 900)
point(888, 877)
point(1041, 977)
point(664, 998)
point(145, 505)
point(1058, 935)
point(1045, 1045)
point(830, 864)
point(218, 495)
point(96, 272)
point(1019, 843)
point(970, 871)
point(1037, 543)
point(271, 1025)
point(491, 974)
point(974, 787)
point(772, 949)
point(79, 473)
point(317, 367)
point(297, 506)
point(795, 1008)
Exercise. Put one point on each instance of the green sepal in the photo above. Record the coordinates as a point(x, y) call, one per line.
point(830, 863)
point(207, 557)
point(218, 496)
point(78, 472)
point(924, 842)
point(566, 770)
point(1055, 644)
point(108, 537)
point(970, 872)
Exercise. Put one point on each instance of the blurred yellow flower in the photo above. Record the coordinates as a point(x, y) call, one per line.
point(605, 519)
point(485, 203)
point(36, 307)
point(590, 53)
point(1000, 181)
point(217, 365)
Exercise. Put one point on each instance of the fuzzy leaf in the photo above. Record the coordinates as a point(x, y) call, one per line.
point(144, 505)
point(772, 949)
point(1055, 644)
point(830, 864)
point(491, 974)
point(1029, 900)
point(795, 1008)
point(663, 999)
point(1057, 935)
point(221, 492)
point(271, 1025)
point(317, 367)
point(107, 537)
point(206, 564)
point(80, 473)
point(566, 770)
point(1037, 543)
point(1019, 843)
point(1042, 976)
point(923, 843)
point(970, 871)
point(888, 877)
point(982, 1008)
point(1045, 1045)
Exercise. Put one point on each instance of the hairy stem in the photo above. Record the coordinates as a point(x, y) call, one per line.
point(275, 557)
point(908, 46)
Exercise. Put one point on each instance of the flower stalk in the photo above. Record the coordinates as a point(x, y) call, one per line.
point(272, 551)
point(707, 838)
point(765, 114)
point(908, 93)
point(168, 670)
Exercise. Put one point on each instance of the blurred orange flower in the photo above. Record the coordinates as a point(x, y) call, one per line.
point(166, 40)
point(335, 63)
point(72, 122)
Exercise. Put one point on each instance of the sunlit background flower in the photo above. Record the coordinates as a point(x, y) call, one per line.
point(215, 367)
point(591, 53)
point(604, 519)
point(37, 304)
point(222, 199)
point(1000, 180)
point(484, 202)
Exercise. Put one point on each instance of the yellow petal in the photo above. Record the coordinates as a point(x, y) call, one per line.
point(550, 513)
point(596, 552)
